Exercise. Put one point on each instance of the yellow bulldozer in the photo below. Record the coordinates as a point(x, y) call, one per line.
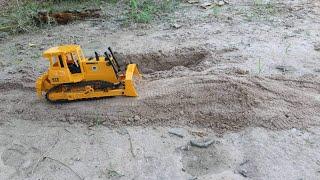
point(71, 76)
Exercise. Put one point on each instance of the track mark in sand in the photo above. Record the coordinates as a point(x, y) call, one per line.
point(200, 161)
point(19, 157)
point(7, 86)
point(222, 103)
point(13, 156)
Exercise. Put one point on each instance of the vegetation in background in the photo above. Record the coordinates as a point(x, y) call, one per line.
point(19, 15)
point(261, 10)
point(143, 11)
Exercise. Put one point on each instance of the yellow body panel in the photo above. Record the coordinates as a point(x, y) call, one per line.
point(68, 66)
point(98, 70)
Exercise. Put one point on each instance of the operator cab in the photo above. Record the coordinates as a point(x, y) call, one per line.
point(65, 61)
point(65, 56)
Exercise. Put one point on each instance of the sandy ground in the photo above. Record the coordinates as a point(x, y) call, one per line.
point(246, 76)
point(103, 153)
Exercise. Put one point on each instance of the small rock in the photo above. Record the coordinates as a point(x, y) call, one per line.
point(177, 131)
point(241, 71)
point(141, 33)
point(221, 3)
point(136, 118)
point(185, 148)
point(32, 45)
point(11, 72)
point(71, 119)
point(317, 47)
point(284, 68)
point(206, 5)
point(217, 32)
point(244, 173)
point(130, 119)
point(202, 143)
point(176, 26)
point(193, 178)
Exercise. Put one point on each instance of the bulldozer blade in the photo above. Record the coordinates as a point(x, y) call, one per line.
point(39, 84)
point(131, 73)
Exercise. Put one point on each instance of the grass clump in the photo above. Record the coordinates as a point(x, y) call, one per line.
point(261, 10)
point(144, 11)
point(19, 17)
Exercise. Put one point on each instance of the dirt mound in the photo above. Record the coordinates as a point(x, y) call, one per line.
point(232, 103)
point(179, 93)
point(223, 103)
point(160, 61)
point(182, 96)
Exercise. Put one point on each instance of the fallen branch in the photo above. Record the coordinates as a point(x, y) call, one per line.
point(130, 141)
point(43, 157)
point(66, 16)
point(44, 154)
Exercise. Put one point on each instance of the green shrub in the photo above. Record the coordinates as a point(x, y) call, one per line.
point(143, 11)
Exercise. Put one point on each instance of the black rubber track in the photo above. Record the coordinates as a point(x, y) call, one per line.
point(97, 85)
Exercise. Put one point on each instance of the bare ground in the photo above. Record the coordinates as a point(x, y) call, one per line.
point(250, 82)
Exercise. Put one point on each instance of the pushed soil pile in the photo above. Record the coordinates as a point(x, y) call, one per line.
point(183, 96)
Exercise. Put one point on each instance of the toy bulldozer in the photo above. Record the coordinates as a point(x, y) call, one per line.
point(71, 76)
